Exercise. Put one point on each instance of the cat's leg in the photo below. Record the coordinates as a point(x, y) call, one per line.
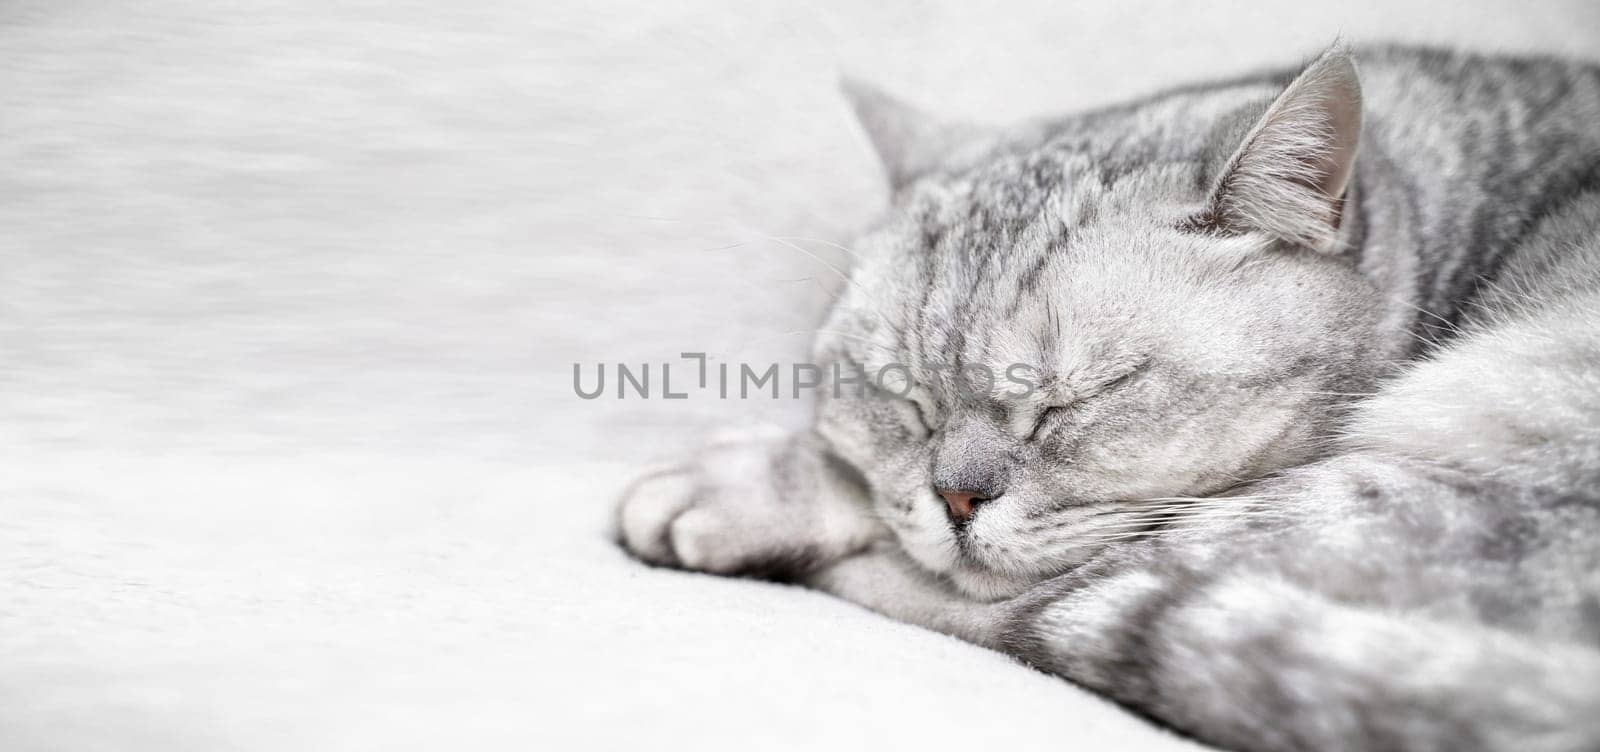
point(884, 580)
point(760, 502)
point(1248, 660)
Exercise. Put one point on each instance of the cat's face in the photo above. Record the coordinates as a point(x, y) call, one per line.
point(1163, 362)
point(1135, 357)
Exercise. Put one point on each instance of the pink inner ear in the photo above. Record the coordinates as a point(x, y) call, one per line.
point(1289, 176)
point(1343, 108)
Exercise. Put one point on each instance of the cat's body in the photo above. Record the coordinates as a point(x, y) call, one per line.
point(1302, 473)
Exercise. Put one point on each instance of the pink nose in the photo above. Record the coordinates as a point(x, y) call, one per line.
point(960, 504)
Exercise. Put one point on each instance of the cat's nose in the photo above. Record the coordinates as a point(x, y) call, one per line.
point(961, 504)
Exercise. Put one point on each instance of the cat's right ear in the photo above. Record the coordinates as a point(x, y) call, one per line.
point(910, 143)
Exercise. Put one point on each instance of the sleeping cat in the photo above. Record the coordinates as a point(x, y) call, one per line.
point(1314, 457)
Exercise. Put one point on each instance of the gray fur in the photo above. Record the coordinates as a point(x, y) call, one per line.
point(1315, 463)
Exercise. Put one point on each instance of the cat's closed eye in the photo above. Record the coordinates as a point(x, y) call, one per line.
point(1122, 380)
point(1046, 416)
point(1052, 413)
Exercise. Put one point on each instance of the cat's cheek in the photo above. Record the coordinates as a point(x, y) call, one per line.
point(867, 432)
point(926, 538)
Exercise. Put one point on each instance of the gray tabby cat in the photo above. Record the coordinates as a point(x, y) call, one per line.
point(1314, 461)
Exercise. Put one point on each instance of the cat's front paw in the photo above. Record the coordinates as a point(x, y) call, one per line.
point(747, 504)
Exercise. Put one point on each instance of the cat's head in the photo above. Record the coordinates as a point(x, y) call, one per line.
point(1160, 295)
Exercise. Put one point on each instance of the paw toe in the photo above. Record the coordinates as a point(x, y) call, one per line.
point(648, 510)
point(702, 541)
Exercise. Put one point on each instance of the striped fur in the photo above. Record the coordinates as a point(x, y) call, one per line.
point(1315, 460)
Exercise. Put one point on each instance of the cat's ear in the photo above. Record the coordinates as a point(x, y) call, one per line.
point(1289, 176)
point(909, 142)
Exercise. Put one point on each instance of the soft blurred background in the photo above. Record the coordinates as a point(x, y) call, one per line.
point(290, 296)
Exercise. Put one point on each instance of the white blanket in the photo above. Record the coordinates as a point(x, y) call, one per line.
point(199, 603)
point(290, 295)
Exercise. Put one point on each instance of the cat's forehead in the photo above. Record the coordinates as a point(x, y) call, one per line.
point(1050, 190)
point(1031, 256)
point(1009, 185)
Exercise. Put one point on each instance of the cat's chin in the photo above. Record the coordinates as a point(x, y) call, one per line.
point(991, 576)
point(969, 577)
point(984, 584)
point(999, 576)
point(974, 578)
point(987, 586)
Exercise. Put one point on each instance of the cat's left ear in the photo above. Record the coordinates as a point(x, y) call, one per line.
point(1290, 175)
point(910, 143)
